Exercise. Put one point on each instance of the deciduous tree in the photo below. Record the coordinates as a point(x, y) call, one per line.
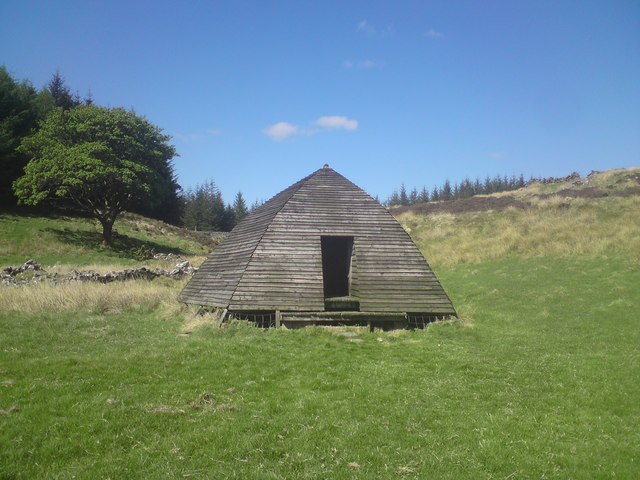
point(100, 161)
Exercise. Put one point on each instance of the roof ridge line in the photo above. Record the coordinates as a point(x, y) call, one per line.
point(294, 191)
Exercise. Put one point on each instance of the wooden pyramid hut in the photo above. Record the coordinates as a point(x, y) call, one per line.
point(320, 251)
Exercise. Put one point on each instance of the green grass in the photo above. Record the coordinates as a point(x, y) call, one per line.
point(540, 379)
point(77, 241)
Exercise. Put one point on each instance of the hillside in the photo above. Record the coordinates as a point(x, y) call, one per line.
point(596, 215)
point(539, 378)
point(585, 216)
point(77, 241)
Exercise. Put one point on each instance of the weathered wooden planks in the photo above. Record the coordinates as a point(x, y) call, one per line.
point(273, 259)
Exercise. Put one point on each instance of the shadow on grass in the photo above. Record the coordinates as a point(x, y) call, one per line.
point(122, 245)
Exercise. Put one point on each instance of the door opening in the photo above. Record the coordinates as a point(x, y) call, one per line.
point(336, 266)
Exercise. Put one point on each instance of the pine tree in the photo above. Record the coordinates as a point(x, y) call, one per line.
point(404, 199)
point(239, 208)
point(394, 199)
point(413, 196)
point(466, 188)
point(228, 220)
point(424, 195)
point(21, 107)
point(61, 93)
point(446, 190)
point(521, 181)
point(222, 214)
point(477, 187)
point(202, 207)
point(488, 185)
point(256, 203)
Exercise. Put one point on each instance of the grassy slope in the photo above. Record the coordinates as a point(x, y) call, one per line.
point(612, 181)
point(562, 227)
point(77, 241)
point(540, 379)
point(557, 225)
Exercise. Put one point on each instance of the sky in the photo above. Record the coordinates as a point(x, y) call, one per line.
point(257, 95)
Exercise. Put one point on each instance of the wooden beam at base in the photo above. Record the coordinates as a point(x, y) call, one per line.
point(342, 317)
point(223, 316)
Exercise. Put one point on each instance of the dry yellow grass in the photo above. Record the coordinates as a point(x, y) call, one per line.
point(619, 178)
point(194, 319)
point(91, 297)
point(553, 226)
point(613, 180)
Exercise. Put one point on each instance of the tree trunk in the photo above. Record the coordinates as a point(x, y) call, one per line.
point(107, 231)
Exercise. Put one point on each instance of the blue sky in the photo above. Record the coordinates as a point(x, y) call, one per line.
point(258, 94)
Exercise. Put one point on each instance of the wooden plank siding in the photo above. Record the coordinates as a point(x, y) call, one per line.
point(216, 280)
point(273, 259)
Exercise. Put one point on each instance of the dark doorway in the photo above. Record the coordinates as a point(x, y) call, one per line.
point(336, 265)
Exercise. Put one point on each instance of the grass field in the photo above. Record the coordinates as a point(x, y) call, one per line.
point(540, 378)
point(77, 241)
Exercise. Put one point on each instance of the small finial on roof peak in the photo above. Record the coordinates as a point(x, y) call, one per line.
point(326, 165)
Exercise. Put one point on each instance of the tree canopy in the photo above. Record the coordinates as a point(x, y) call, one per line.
point(205, 209)
point(21, 107)
point(101, 161)
point(465, 189)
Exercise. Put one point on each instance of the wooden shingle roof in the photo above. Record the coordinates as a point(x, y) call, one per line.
point(272, 260)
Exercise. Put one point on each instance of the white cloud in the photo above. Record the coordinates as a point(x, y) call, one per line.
point(366, 64)
point(336, 122)
point(497, 155)
point(281, 130)
point(433, 33)
point(365, 27)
